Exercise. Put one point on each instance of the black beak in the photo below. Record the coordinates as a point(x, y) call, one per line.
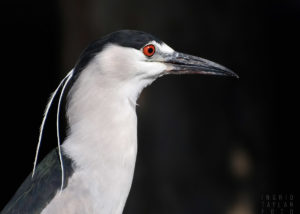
point(181, 63)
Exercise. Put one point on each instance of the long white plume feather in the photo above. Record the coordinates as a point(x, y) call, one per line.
point(57, 129)
point(63, 83)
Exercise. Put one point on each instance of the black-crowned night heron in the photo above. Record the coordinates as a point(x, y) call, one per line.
point(93, 170)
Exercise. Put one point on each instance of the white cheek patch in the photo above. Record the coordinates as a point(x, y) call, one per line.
point(114, 52)
point(120, 61)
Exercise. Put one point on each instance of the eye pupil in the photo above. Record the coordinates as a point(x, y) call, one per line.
point(149, 50)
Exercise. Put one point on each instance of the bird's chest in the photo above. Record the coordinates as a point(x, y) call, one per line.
point(100, 188)
point(105, 158)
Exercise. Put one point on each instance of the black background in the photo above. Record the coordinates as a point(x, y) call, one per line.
point(193, 130)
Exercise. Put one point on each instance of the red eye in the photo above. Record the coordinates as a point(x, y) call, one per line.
point(149, 50)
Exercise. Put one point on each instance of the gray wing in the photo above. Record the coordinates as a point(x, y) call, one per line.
point(35, 193)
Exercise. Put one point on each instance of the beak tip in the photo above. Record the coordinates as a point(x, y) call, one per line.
point(235, 75)
point(232, 74)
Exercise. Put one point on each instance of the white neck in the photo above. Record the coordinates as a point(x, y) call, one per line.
point(102, 141)
point(103, 137)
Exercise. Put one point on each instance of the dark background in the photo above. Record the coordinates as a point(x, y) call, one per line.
point(206, 144)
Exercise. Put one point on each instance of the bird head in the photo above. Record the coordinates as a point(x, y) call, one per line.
point(127, 55)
